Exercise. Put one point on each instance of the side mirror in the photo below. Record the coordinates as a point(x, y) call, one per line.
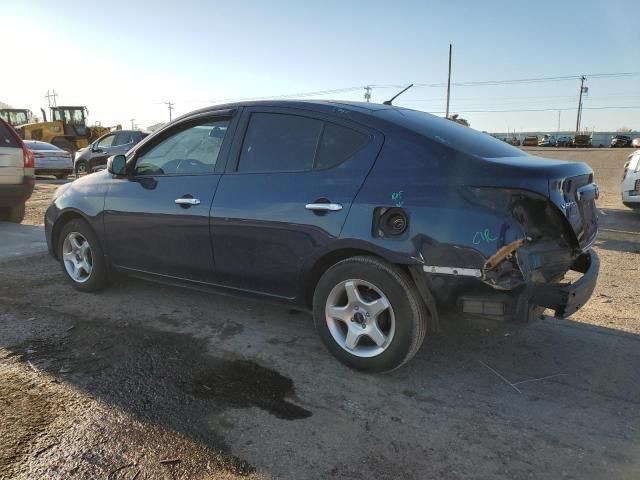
point(117, 165)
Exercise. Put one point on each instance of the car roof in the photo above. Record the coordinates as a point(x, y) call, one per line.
point(318, 105)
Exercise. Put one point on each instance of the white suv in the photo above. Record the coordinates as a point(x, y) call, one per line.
point(631, 182)
point(16, 174)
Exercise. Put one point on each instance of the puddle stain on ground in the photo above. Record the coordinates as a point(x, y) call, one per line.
point(244, 384)
point(96, 357)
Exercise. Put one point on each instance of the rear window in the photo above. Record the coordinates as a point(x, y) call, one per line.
point(450, 134)
point(7, 138)
point(41, 146)
point(277, 142)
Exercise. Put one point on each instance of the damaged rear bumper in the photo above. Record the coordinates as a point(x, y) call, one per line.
point(466, 293)
point(567, 298)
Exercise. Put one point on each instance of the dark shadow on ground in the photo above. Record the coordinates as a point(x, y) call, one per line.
point(619, 230)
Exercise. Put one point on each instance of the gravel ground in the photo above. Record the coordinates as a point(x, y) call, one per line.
point(173, 383)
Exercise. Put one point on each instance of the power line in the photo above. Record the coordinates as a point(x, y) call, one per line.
point(369, 87)
point(547, 109)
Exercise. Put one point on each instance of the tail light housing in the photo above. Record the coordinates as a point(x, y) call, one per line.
point(29, 159)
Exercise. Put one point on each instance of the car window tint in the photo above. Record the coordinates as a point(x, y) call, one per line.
point(337, 144)
point(106, 142)
point(189, 151)
point(123, 139)
point(7, 139)
point(41, 146)
point(450, 134)
point(279, 142)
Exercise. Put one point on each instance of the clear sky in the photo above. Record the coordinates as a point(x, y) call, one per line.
point(124, 58)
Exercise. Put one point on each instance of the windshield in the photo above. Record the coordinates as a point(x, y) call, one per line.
point(74, 116)
point(15, 117)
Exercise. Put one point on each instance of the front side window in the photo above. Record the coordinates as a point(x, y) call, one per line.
point(192, 150)
point(277, 142)
point(106, 142)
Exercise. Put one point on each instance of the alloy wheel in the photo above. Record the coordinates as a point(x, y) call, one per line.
point(77, 257)
point(360, 318)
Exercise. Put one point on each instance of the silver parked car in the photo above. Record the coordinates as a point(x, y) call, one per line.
point(94, 157)
point(16, 174)
point(50, 160)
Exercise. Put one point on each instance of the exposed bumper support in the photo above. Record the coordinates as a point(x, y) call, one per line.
point(566, 299)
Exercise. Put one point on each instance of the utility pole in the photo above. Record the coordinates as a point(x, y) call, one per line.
point(133, 124)
point(559, 112)
point(170, 105)
point(448, 84)
point(51, 98)
point(582, 79)
point(367, 93)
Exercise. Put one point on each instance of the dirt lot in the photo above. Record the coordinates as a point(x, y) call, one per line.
point(147, 381)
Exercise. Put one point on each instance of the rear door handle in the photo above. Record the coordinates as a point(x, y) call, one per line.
point(187, 201)
point(323, 207)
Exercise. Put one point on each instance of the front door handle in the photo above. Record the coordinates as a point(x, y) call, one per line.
point(187, 201)
point(323, 207)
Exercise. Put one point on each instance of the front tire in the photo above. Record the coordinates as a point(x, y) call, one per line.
point(81, 256)
point(369, 314)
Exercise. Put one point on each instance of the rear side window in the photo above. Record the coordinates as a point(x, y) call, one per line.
point(7, 138)
point(123, 139)
point(337, 144)
point(279, 142)
point(276, 142)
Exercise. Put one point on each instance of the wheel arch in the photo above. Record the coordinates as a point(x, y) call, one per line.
point(321, 264)
point(64, 218)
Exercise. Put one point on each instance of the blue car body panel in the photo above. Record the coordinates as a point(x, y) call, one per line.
point(469, 201)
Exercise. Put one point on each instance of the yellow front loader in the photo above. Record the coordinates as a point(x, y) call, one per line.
point(67, 128)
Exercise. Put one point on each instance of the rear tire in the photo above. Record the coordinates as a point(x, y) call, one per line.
point(379, 327)
point(81, 256)
point(13, 214)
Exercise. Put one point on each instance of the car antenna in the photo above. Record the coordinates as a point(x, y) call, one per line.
point(388, 102)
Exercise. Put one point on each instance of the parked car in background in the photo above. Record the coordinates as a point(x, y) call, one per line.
point(620, 141)
point(530, 141)
point(94, 157)
point(631, 182)
point(512, 141)
point(582, 141)
point(547, 141)
point(332, 207)
point(17, 176)
point(564, 141)
point(635, 143)
point(50, 160)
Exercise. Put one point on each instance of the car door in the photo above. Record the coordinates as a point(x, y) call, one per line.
point(101, 150)
point(157, 217)
point(286, 193)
